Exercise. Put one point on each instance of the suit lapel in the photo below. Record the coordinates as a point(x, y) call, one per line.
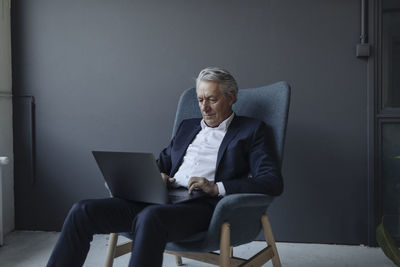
point(230, 134)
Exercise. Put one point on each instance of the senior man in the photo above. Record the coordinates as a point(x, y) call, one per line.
point(214, 154)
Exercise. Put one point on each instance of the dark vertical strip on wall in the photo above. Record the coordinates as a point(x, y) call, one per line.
point(24, 149)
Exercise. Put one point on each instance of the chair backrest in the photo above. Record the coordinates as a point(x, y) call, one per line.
point(267, 103)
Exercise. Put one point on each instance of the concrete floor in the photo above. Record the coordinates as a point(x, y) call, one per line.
point(25, 249)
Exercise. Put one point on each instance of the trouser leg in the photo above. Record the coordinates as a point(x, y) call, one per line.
point(156, 225)
point(89, 217)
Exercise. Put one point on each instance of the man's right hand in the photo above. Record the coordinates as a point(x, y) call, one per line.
point(168, 181)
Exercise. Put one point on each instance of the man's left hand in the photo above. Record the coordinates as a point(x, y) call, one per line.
point(201, 183)
point(168, 181)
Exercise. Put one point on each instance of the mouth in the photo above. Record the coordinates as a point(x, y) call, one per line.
point(208, 117)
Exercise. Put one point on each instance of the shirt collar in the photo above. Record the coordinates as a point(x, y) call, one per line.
point(223, 126)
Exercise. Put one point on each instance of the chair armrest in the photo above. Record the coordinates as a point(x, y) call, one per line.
point(230, 207)
point(243, 212)
point(243, 201)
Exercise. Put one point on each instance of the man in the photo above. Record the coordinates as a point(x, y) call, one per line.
point(215, 154)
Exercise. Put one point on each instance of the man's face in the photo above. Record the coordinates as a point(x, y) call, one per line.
point(215, 106)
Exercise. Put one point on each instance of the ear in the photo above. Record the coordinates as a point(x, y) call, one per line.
point(232, 98)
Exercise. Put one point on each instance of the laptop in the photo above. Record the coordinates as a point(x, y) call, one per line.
point(136, 177)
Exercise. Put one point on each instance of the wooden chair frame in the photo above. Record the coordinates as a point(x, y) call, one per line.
point(224, 259)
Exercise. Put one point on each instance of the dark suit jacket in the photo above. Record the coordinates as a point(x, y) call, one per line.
point(247, 148)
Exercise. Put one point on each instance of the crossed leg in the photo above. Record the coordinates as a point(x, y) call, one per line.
point(152, 227)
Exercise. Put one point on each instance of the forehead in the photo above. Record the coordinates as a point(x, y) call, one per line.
point(208, 88)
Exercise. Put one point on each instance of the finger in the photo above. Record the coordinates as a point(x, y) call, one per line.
point(194, 186)
point(191, 188)
point(171, 180)
point(164, 177)
point(192, 180)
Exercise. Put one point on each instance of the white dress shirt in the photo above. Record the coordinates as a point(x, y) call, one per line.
point(200, 159)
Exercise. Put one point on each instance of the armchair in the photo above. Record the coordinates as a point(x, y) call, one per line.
point(237, 218)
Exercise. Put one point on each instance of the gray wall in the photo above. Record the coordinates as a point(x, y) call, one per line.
point(6, 134)
point(108, 74)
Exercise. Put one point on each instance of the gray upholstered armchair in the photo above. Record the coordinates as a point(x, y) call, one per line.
point(238, 218)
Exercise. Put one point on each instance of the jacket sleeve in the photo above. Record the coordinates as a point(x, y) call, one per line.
point(264, 167)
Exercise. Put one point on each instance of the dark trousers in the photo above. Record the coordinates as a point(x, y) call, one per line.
point(152, 227)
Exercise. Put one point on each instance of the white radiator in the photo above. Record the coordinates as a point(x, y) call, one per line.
point(3, 161)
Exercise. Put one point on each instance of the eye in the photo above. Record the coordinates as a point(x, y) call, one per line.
point(200, 100)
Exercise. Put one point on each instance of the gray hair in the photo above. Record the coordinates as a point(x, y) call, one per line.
point(227, 83)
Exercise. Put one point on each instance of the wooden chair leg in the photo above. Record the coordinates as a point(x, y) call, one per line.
point(112, 244)
point(276, 262)
point(225, 245)
point(178, 260)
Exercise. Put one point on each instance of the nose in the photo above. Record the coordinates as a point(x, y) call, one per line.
point(205, 106)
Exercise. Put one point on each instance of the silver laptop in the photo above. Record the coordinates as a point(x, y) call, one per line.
point(136, 177)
